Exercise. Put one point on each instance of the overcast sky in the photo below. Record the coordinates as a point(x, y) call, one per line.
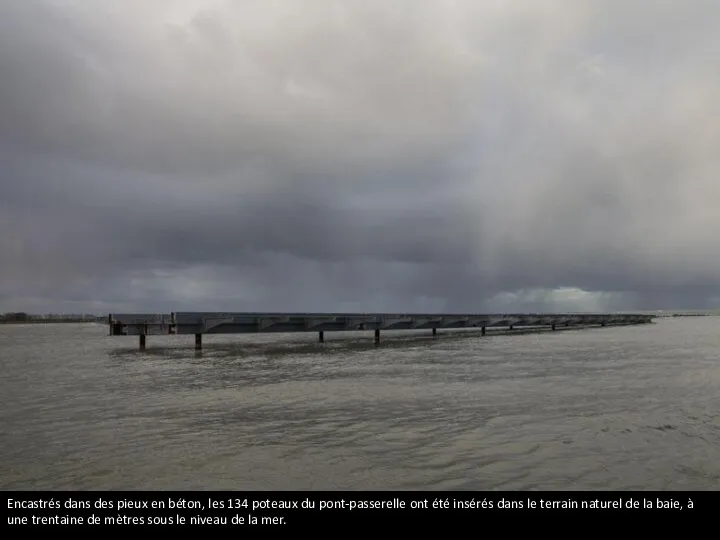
point(338, 155)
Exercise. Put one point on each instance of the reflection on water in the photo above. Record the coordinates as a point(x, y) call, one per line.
point(613, 408)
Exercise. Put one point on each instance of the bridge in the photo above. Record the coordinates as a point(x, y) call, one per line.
point(199, 323)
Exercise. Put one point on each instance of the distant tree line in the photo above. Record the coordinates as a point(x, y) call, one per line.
point(16, 317)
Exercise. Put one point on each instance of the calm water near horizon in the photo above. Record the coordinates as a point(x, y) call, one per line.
point(627, 408)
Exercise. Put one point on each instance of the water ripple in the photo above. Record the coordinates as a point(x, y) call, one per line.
point(610, 409)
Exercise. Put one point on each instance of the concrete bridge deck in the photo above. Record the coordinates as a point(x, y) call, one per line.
point(198, 323)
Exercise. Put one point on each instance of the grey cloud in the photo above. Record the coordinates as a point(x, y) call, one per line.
point(183, 155)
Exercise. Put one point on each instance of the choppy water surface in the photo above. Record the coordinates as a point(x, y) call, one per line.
point(614, 408)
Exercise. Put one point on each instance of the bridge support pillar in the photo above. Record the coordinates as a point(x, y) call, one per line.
point(321, 337)
point(142, 342)
point(198, 342)
point(377, 336)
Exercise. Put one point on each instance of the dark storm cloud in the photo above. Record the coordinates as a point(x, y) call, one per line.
point(359, 155)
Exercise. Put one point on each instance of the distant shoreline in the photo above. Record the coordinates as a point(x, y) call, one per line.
point(64, 321)
point(103, 320)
